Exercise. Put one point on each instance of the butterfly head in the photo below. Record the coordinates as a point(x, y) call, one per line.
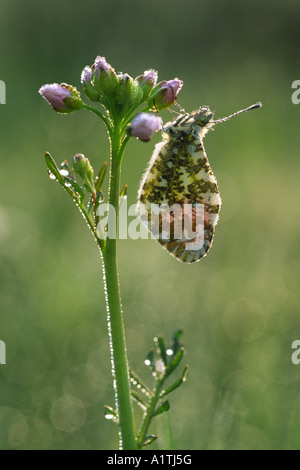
point(203, 116)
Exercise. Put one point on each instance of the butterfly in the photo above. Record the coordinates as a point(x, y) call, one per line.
point(178, 198)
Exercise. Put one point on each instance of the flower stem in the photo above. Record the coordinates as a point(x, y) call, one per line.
point(96, 111)
point(116, 331)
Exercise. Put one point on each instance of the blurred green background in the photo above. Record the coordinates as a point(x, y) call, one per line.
point(239, 307)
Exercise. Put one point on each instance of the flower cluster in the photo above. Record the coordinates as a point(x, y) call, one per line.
point(119, 94)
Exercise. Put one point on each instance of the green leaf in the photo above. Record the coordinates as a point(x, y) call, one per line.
point(175, 384)
point(162, 349)
point(111, 414)
point(53, 168)
point(139, 400)
point(75, 186)
point(78, 190)
point(165, 406)
point(176, 361)
point(175, 344)
point(123, 195)
point(149, 439)
point(123, 192)
point(100, 177)
point(89, 206)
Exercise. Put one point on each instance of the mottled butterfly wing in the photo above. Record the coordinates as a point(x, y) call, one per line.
point(178, 199)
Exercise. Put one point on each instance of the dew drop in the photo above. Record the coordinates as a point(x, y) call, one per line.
point(109, 416)
point(51, 175)
point(64, 172)
point(67, 184)
point(169, 352)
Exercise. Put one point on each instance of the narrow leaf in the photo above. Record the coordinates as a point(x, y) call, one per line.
point(176, 361)
point(139, 400)
point(149, 439)
point(75, 186)
point(53, 168)
point(175, 384)
point(111, 414)
point(175, 342)
point(123, 194)
point(124, 191)
point(165, 406)
point(162, 349)
point(100, 177)
point(89, 206)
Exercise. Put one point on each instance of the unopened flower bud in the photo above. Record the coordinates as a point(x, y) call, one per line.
point(128, 93)
point(104, 78)
point(83, 167)
point(88, 87)
point(164, 94)
point(63, 98)
point(147, 81)
point(144, 125)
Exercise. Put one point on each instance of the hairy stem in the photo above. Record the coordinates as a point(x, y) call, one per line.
point(114, 309)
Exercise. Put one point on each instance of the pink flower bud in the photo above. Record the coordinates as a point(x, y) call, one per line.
point(55, 94)
point(144, 125)
point(63, 98)
point(86, 75)
point(88, 87)
point(100, 65)
point(147, 81)
point(150, 77)
point(105, 81)
point(173, 88)
point(164, 94)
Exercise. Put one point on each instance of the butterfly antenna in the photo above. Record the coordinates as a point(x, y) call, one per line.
point(253, 106)
point(180, 107)
point(173, 111)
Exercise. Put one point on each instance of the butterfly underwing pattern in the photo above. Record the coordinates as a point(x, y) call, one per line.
point(179, 186)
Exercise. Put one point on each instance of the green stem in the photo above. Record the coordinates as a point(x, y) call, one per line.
point(116, 331)
point(104, 119)
point(148, 415)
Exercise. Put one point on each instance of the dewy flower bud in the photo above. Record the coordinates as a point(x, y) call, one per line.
point(147, 81)
point(63, 98)
point(104, 78)
point(128, 94)
point(165, 93)
point(83, 167)
point(144, 125)
point(88, 87)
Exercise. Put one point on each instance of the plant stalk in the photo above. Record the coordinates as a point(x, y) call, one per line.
point(120, 370)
